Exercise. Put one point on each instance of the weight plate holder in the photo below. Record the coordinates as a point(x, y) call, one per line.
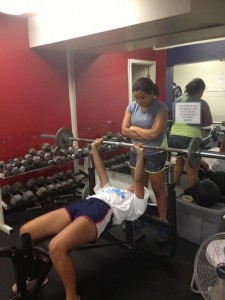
point(193, 156)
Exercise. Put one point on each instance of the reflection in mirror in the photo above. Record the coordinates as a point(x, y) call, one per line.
point(213, 74)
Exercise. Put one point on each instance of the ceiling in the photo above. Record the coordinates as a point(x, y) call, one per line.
point(203, 22)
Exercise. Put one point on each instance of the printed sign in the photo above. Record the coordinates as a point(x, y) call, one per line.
point(188, 113)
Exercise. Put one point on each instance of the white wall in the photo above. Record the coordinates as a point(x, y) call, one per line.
point(213, 74)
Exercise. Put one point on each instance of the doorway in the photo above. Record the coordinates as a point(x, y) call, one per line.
point(139, 68)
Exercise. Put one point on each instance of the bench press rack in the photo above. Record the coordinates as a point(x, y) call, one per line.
point(34, 262)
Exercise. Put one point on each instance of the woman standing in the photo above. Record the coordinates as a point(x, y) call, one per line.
point(145, 120)
point(182, 133)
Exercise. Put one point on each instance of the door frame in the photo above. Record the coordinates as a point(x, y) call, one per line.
point(152, 72)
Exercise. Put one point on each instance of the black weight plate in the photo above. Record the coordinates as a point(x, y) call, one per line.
point(194, 159)
point(62, 136)
point(216, 133)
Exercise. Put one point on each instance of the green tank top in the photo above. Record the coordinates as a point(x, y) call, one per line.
point(182, 129)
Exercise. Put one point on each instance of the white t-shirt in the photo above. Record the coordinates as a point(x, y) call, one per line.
point(215, 164)
point(125, 204)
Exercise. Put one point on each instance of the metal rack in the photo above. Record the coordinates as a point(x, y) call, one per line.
point(4, 227)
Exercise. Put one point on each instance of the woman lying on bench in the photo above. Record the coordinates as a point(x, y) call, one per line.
point(84, 221)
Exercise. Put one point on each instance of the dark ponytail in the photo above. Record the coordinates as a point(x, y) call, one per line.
point(195, 86)
point(146, 85)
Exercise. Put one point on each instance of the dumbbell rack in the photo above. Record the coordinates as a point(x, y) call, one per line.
point(4, 227)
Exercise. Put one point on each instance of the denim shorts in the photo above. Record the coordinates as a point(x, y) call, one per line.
point(153, 163)
point(180, 142)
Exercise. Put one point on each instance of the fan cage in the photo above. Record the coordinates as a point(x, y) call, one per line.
point(209, 268)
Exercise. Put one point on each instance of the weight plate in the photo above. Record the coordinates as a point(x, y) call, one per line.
point(194, 159)
point(85, 192)
point(216, 133)
point(62, 136)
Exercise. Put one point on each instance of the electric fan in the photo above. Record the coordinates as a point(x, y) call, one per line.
point(209, 268)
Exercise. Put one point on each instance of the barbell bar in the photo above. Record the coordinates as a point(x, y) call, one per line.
point(64, 138)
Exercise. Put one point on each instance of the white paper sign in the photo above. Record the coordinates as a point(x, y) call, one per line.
point(188, 113)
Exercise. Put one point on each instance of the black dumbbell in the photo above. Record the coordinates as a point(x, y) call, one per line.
point(32, 151)
point(60, 178)
point(40, 191)
point(46, 147)
point(27, 195)
point(18, 166)
point(49, 180)
point(70, 180)
point(8, 193)
point(4, 170)
point(41, 181)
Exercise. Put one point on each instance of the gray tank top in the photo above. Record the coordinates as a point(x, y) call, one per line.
point(146, 120)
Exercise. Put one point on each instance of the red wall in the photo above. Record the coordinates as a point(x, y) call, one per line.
point(33, 90)
point(102, 89)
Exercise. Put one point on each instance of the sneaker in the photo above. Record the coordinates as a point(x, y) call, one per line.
point(162, 235)
point(29, 284)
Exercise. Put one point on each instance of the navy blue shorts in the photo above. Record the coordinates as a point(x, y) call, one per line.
point(94, 209)
point(153, 163)
point(180, 142)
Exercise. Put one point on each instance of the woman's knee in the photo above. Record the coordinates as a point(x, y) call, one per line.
point(24, 229)
point(56, 251)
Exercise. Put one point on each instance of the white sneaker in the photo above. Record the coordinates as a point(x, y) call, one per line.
point(29, 284)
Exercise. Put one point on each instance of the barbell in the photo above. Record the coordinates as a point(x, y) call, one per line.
point(64, 138)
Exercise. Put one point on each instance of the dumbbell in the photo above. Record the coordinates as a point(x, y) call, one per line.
point(39, 159)
point(46, 147)
point(119, 137)
point(29, 160)
point(40, 191)
point(58, 155)
point(41, 181)
point(70, 178)
point(8, 193)
point(70, 154)
point(3, 169)
point(78, 152)
point(19, 165)
point(27, 195)
point(47, 159)
point(60, 178)
point(107, 136)
point(49, 180)
point(32, 151)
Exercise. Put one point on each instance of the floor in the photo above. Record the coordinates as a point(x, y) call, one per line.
point(115, 272)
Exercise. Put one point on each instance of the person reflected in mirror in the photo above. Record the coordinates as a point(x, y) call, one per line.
point(145, 120)
point(182, 133)
point(215, 164)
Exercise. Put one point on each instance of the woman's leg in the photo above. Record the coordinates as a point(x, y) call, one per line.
point(178, 169)
point(46, 225)
point(145, 177)
point(159, 188)
point(192, 175)
point(80, 231)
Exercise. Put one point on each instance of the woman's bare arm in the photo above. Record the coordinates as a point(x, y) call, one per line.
point(99, 165)
point(156, 130)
